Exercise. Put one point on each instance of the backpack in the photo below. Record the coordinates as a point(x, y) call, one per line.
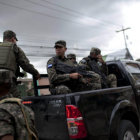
point(7, 56)
point(32, 135)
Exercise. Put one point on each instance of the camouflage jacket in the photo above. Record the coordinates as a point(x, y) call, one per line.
point(22, 60)
point(54, 76)
point(102, 67)
point(12, 121)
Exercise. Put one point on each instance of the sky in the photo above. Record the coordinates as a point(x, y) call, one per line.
point(81, 23)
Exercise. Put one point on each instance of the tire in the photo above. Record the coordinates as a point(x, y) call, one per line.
point(127, 131)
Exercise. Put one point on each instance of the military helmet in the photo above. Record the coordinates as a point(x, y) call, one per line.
point(95, 50)
point(71, 55)
point(60, 43)
point(6, 76)
point(8, 34)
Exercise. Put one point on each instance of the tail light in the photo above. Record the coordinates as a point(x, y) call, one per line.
point(26, 102)
point(75, 122)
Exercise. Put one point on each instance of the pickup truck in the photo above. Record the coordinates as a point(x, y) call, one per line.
point(105, 114)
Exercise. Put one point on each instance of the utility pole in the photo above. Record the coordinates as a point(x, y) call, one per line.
point(123, 30)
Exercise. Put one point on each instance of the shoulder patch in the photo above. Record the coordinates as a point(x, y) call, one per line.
point(50, 66)
point(83, 61)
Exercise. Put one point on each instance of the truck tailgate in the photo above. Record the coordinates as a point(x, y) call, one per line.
point(50, 117)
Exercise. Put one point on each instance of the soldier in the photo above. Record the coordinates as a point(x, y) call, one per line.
point(63, 83)
point(11, 56)
point(16, 120)
point(72, 57)
point(94, 62)
point(93, 82)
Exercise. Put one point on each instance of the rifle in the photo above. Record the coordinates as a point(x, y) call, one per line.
point(66, 69)
point(96, 69)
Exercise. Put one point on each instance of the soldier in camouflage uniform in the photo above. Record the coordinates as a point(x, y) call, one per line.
point(94, 82)
point(9, 39)
point(64, 83)
point(16, 120)
point(72, 57)
point(94, 62)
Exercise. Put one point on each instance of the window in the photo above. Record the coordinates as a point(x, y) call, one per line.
point(134, 70)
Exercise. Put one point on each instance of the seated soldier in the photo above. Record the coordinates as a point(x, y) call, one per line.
point(65, 82)
point(94, 62)
point(72, 57)
point(16, 120)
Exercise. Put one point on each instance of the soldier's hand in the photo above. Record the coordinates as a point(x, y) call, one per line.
point(100, 59)
point(37, 76)
point(75, 75)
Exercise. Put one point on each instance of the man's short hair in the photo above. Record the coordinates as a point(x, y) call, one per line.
point(8, 34)
point(60, 43)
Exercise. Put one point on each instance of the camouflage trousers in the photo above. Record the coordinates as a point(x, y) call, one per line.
point(93, 82)
point(83, 84)
point(61, 89)
point(112, 80)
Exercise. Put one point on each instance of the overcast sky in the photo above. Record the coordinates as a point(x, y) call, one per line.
point(81, 23)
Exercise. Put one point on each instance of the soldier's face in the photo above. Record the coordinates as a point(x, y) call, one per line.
point(72, 59)
point(13, 39)
point(93, 55)
point(60, 51)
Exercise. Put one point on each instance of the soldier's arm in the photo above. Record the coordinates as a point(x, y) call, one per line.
point(53, 76)
point(104, 67)
point(6, 126)
point(24, 62)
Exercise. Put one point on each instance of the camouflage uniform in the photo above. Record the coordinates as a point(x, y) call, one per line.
point(58, 81)
point(12, 120)
point(72, 56)
point(92, 83)
point(110, 79)
point(22, 61)
point(62, 83)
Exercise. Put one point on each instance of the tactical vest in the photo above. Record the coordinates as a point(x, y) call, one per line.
point(7, 57)
point(31, 134)
point(72, 82)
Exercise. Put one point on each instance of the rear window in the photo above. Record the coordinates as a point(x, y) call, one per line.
point(134, 70)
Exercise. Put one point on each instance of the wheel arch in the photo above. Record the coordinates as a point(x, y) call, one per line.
point(124, 110)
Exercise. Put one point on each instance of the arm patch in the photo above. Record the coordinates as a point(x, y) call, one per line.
point(83, 61)
point(50, 66)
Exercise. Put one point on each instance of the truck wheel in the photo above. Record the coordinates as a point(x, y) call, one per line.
point(127, 131)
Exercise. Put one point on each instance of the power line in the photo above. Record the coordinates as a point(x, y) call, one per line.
point(42, 14)
point(77, 12)
point(46, 6)
point(68, 11)
point(43, 47)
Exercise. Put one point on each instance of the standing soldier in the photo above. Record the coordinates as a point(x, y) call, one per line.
point(63, 83)
point(94, 62)
point(16, 120)
point(11, 56)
